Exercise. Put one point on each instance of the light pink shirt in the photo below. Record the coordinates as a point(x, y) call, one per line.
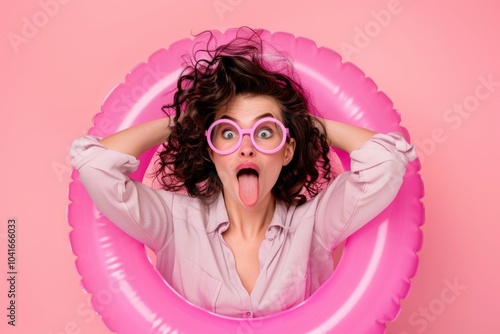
point(187, 237)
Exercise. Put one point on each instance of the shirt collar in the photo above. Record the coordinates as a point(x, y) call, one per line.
point(217, 215)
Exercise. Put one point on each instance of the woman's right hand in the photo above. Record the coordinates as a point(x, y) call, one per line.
point(139, 138)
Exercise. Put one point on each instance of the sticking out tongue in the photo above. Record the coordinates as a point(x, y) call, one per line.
point(249, 186)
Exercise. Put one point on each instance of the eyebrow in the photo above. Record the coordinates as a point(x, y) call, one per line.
point(255, 119)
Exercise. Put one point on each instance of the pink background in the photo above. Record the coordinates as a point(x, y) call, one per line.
point(428, 56)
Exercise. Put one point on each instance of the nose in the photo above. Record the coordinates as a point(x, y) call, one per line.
point(247, 149)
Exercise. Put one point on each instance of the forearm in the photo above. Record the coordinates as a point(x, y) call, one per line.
point(140, 138)
point(345, 136)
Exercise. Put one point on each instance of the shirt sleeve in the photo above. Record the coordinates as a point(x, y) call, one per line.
point(357, 196)
point(134, 207)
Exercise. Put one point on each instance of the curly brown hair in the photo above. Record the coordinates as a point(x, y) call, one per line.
point(207, 85)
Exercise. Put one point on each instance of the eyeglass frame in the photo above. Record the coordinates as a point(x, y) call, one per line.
point(247, 131)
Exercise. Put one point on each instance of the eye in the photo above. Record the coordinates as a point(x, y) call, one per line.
point(228, 134)
point(265, 133)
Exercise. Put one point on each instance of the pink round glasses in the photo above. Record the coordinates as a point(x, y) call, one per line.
point(268, 135)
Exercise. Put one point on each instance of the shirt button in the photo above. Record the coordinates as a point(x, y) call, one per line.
point(270, 239)
point(248, 314)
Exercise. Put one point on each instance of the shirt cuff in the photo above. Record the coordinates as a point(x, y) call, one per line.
point(380, 148)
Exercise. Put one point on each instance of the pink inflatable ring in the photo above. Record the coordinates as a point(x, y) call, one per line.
point(377, 262)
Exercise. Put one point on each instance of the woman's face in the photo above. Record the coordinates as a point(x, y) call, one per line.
point(247, 174)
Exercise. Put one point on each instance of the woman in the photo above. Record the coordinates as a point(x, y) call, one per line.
point(262, 215)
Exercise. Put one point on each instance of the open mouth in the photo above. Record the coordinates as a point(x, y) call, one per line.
point(247, 171)
point(248, 180)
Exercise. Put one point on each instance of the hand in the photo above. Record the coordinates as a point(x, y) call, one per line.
point(345, 136)
point(139, 138)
